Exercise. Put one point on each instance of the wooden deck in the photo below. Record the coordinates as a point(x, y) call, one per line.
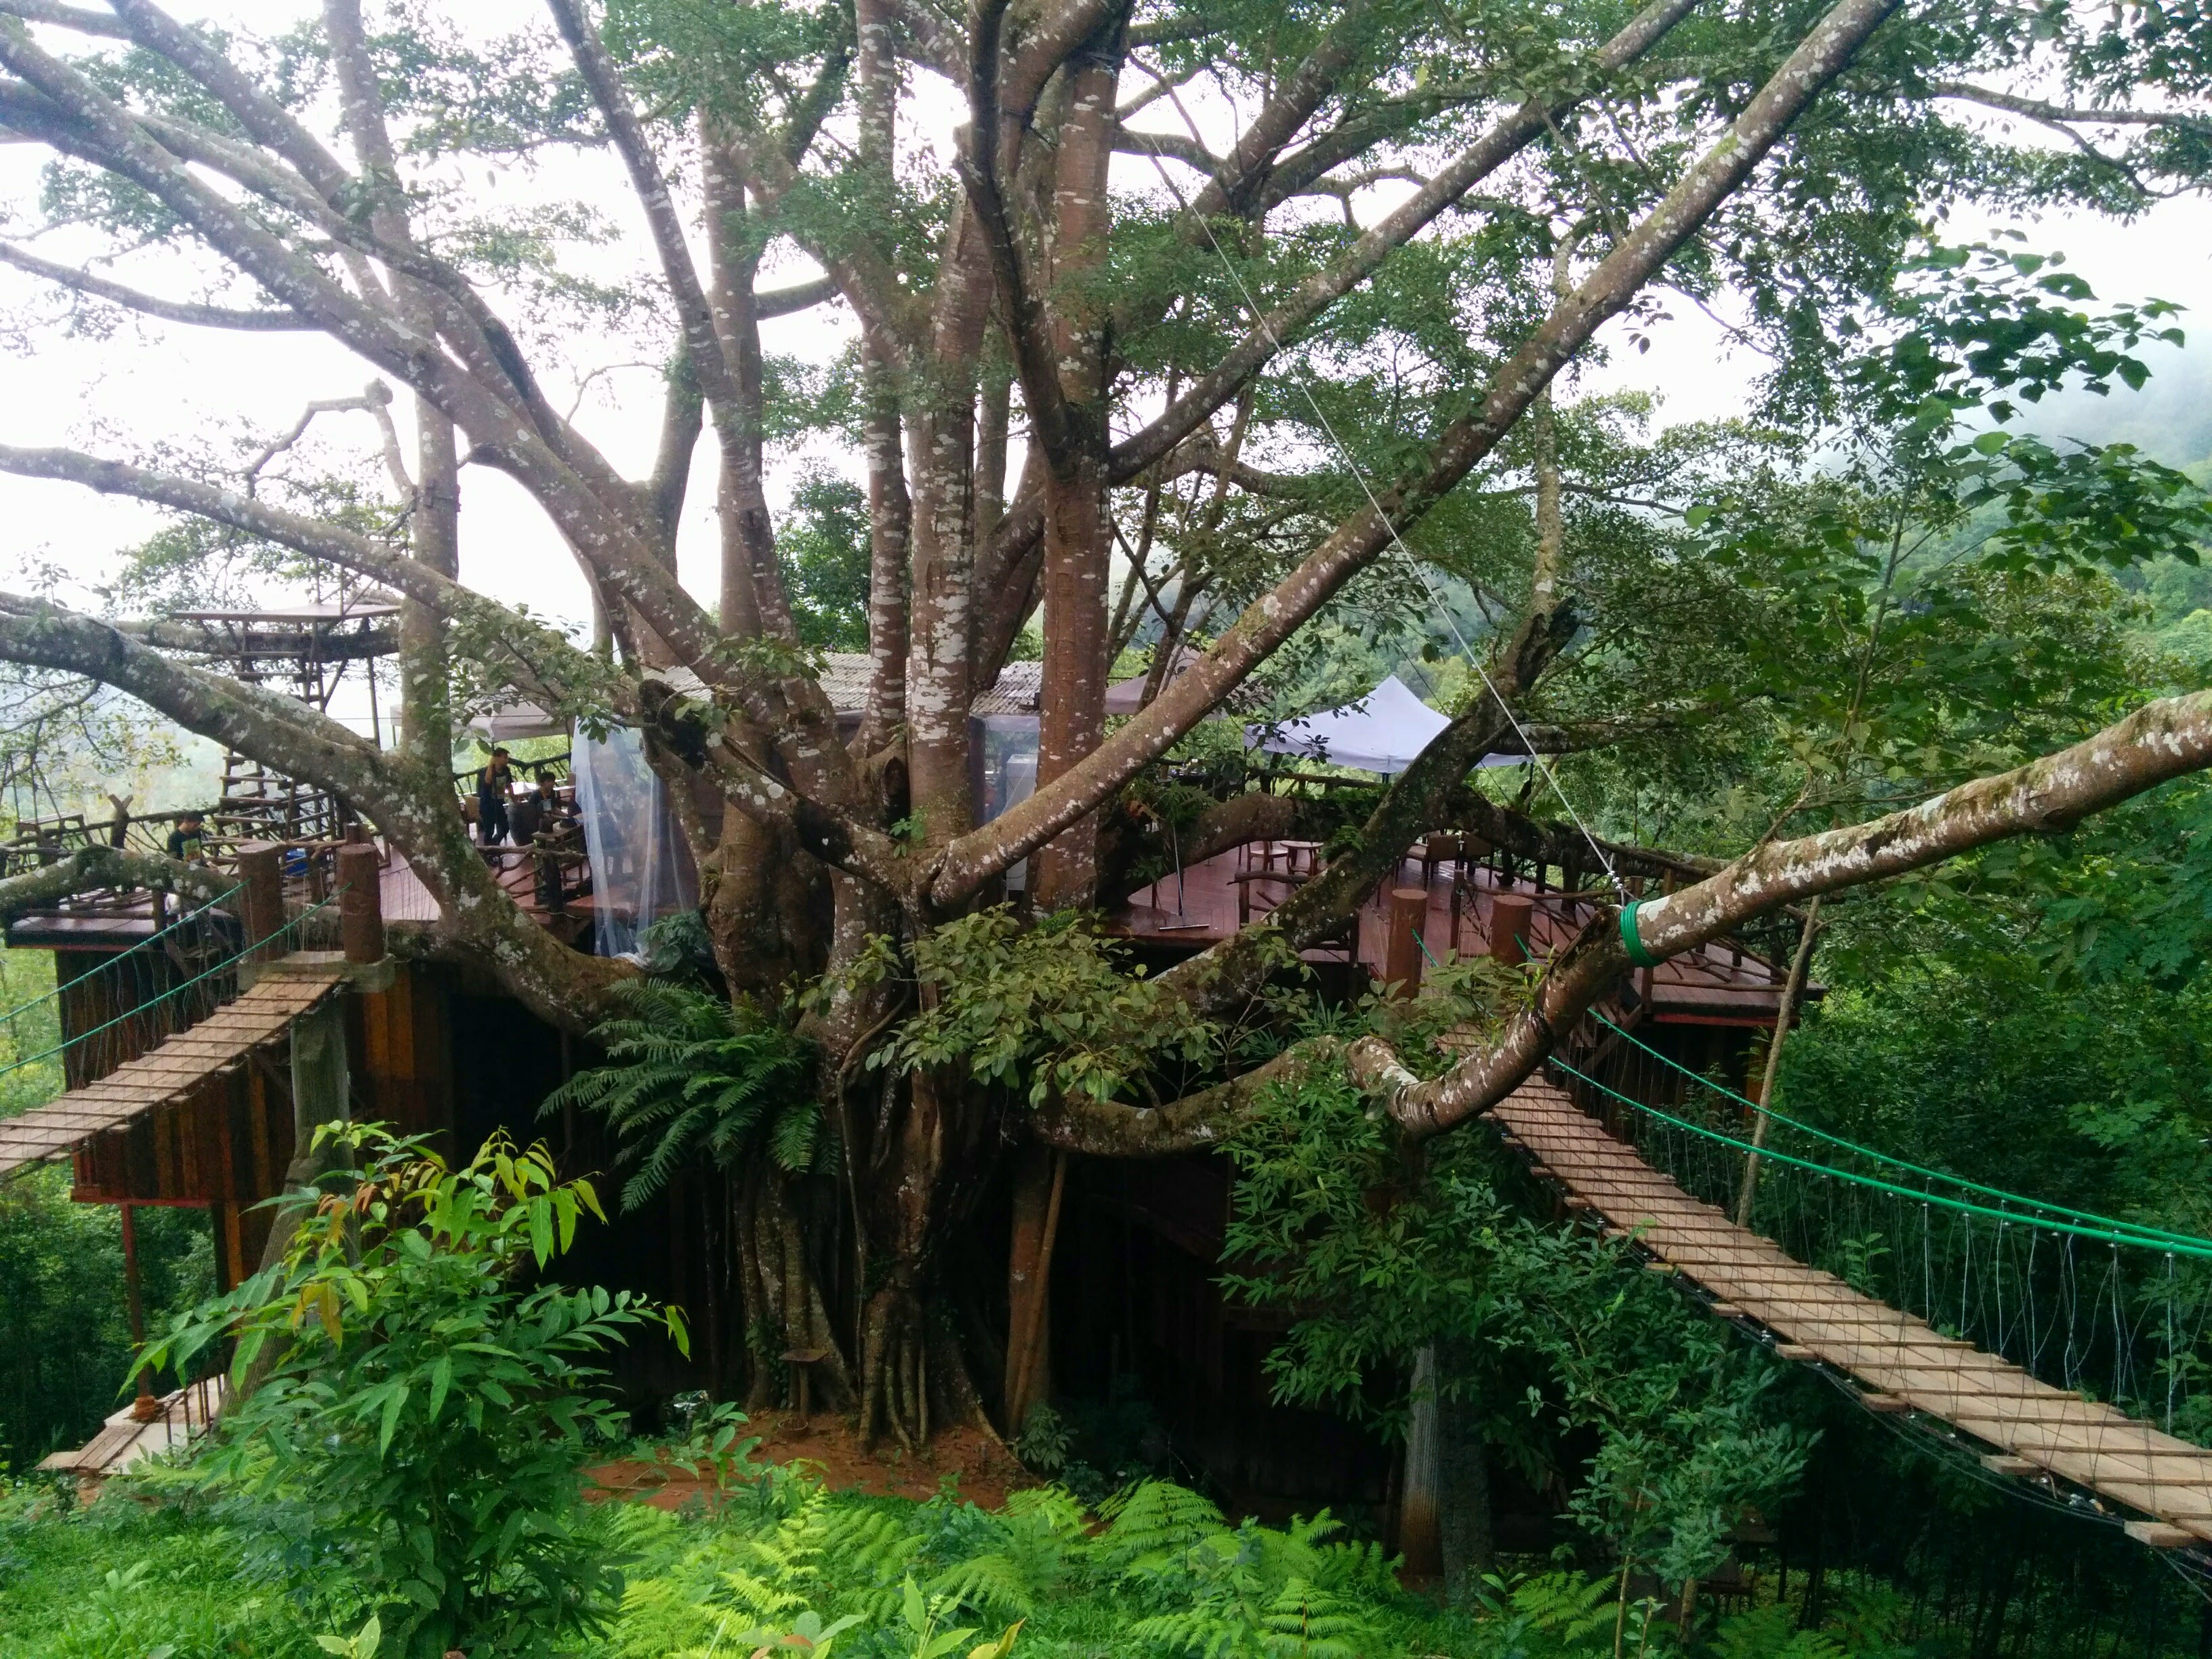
point(407, 901)
point(170, 1071)
point(2038, 1431)
point(1715, 984)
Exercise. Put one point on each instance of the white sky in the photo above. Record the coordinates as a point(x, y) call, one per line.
point(160, 385)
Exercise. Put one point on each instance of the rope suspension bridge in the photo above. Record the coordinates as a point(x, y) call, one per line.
point(2065, 1349)
point(246, 982)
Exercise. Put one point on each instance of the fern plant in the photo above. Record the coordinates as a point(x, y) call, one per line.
point(1028, 1551)
point(1252, 1592)
point(692, 1073)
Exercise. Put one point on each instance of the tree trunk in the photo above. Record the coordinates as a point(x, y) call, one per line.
point(1468, 1529)
point(1077, 547)
point(1419, 1540)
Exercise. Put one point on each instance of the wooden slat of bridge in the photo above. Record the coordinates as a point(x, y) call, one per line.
point(2082, 1442)
point(171, 1070)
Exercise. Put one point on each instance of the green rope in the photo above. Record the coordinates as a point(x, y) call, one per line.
point(1632, 940)
point(230, 961)
point(2174, 1243)
point(2087, 1216)
point(162, 932)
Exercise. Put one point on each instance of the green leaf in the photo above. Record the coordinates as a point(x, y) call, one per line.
point(441, 1378)
point(393, 1407)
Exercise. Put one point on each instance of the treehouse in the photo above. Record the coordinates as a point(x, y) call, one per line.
point(1126, 1253)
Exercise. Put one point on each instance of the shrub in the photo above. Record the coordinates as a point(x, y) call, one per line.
point(428, 1415)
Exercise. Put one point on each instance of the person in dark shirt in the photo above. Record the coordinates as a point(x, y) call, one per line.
point(188, 840)
point(493, 784)
point(529, 814)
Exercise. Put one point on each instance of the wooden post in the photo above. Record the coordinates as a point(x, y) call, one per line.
point(1040, 1180)
point(144, 1409)
point(321, 1086)
point(361, 903)
point(262, 909)
point(1512, 917)
point(1401, 946)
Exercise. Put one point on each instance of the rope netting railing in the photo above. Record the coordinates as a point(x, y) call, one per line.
point(181, 928)
point(165, 1009)
point(1873, 1161)
point(2114, 1310)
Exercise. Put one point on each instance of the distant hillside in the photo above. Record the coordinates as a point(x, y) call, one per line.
point(2169, 420)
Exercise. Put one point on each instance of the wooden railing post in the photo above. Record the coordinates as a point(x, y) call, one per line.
point(1511, 917)
point(262, 909)
point(1401, 949)
point(361, 903)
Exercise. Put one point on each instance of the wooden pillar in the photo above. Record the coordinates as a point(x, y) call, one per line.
point(1401, 945)
point(1513, 915)
point(320, 1088)
point(1420, 1535)
point(361, 903)
point(262, 909)
point(144, 1407)
point(1040, 1180)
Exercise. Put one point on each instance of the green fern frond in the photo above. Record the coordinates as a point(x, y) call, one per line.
point(1155, 1520)
point(1195, 1633)
point(691, 1073)
point(1564, 1604)
point(794, 1140)
point(999, 1585)
point(1306, 1622)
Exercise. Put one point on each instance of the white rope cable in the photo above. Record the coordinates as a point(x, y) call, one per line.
point(1389, 525)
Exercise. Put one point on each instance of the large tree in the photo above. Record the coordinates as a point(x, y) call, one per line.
point(1256, 288)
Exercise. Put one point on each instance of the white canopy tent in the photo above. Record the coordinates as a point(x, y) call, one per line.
point(1383, 731)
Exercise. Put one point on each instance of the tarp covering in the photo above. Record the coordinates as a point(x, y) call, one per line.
point(640, 869)
point(1381, 733)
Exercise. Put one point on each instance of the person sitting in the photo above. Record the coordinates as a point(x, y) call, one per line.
point(493, 784)
point(188, 840)
point(530, 813)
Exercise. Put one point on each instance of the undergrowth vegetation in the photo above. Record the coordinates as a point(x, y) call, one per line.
point(778, 1563)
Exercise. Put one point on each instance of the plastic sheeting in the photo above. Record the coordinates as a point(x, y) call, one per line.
point(641, 868)
point(1002, 752)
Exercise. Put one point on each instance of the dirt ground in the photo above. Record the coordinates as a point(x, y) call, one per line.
point(985, 1472)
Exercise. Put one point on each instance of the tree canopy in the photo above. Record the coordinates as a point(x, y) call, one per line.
point(1198, 330)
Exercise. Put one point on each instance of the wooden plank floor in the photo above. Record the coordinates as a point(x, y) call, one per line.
point(171, 1069)
point(1820, 1318)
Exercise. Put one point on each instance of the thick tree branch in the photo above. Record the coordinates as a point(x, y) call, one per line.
point(1271, 333)
point(2160, 741)
point(799, 297)
point(1276, 615)
point(170, 311)
point(2035, 109)
point(1022, 290)
point(1245, 169)
point(411, 803)
point(718, 376)
point(249, 718)
point(1114, 1129)
point(83, 21)
point(92, 868)
point(1175, 146)
point(551, 665)
point(1418, 800)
